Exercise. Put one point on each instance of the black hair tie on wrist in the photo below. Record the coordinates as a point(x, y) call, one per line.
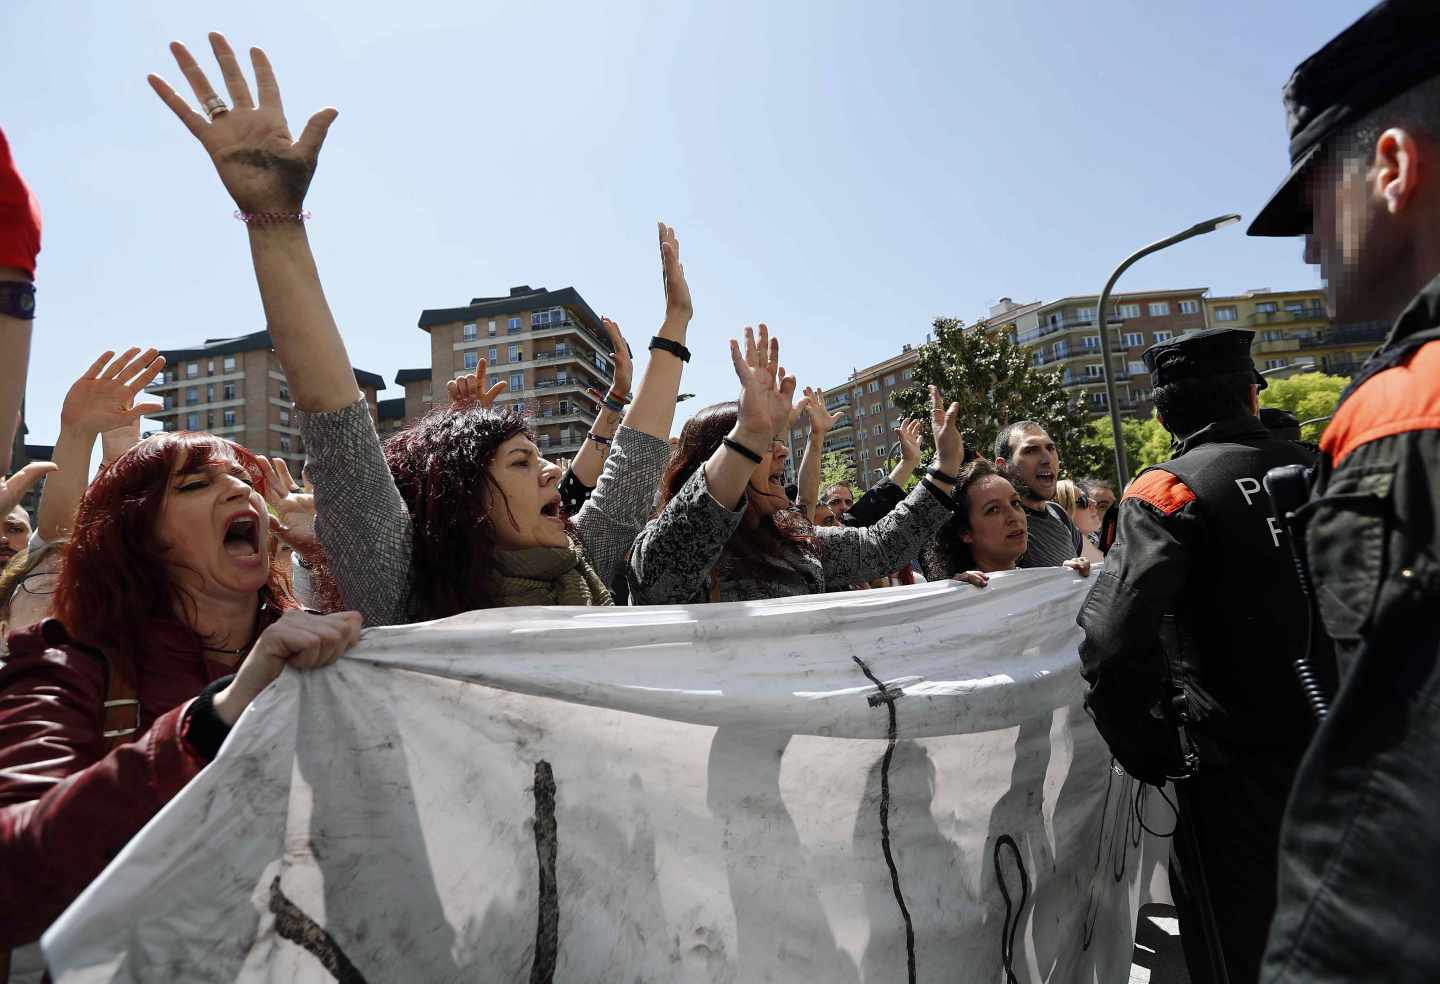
point(674, 348)
point(742, 450)
point(934, 472)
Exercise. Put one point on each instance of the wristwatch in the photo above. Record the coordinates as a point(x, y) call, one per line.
point(17, 299)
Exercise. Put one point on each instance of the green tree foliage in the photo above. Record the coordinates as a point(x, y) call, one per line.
point(836, 466)
point(1146, 443)
point(995, 383)
point(1307, 396)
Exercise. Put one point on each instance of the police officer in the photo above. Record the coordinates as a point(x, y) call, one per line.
point(1360, 850)
point(1196, 540)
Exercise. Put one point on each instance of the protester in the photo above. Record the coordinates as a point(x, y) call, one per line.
point(813, 410)
point(27, 588)
point(1076, 502)
point(1101, 494)
point(14, 534)
point(460, 511)
point(839, 497)
point(1196, 542)
point(19, 247)
point(169, 622)
point(727, 532)
point(1359, 849)
point(1025, 454)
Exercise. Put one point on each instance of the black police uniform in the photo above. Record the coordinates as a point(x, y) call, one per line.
point(1359, 887)
point(1196, 539)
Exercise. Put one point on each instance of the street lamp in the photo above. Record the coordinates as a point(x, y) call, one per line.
point(1122, 465)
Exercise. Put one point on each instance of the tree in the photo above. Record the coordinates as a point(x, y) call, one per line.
point(836, 466)
point(1308, 396)
point(995, 383)
point(1146, 443)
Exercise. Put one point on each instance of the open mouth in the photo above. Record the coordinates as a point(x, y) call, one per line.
point(1044, 476)
point(553, 510)
point(242, 537)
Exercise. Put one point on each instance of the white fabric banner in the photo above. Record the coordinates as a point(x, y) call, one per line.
point(707, 793)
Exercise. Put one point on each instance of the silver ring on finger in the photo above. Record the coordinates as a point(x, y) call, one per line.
point(214, 106)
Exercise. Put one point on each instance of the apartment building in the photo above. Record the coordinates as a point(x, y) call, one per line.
point(391, 416)
point(419, 393)
point(867, 431)
point(1292, 331)
point(234, 387)
point(549, 346)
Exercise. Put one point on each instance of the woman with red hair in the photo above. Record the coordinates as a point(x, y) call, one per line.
point(171, 616)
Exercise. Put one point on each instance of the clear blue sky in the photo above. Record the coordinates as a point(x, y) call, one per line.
point(842, 171)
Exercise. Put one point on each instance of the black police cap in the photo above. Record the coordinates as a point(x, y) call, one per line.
point(1282, 424)
point(1390, 50)
point(1201, 354)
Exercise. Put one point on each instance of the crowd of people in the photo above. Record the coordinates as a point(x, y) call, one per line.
point(144, 609)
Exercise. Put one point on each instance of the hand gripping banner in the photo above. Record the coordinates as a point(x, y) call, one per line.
point(893, 785)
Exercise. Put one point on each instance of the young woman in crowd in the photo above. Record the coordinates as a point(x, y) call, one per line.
point(726, 530)
point(460, 511)
point(986, 534)
point(169, 621)
point(1076, 501)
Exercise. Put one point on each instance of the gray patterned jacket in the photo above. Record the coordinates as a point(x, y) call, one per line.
point(365, 530)
point(676, 554)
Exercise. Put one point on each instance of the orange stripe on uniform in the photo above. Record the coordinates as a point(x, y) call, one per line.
point(1403, 398)
point(1161, 489)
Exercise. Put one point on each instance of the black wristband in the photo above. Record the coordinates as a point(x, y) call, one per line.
point(17, 299)
point(674, 348)
point(946, 499)
point(742, 450)
point(203, 729)
point(935, 472)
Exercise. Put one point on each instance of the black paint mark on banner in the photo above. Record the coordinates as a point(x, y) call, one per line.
point(293, 925)
point(1013, 912)
point(888, 697)
point(547, 925)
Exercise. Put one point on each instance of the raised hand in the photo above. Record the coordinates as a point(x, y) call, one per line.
point(471, 386)
point(623, 359)
point(104, 398)
point(262, 167)
point(766, 392)
point(949, 445)
point(114, 443)
point(293, 508)
point(821, 420)
point(909, 434)
point(678, 306)
point(13, 489)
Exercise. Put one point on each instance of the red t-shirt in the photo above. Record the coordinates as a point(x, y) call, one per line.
point(19, 216)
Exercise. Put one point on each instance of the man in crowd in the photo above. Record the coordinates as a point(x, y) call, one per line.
point(1359, 849)
point(14, 534)
point(1027, 456)
point(1196, 540)
point(839, 498)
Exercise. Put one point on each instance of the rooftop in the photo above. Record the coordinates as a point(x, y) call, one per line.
point(391, 409)
point(256, 340)
point(412, 376)
point(520, 299)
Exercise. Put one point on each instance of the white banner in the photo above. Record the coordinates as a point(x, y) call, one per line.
point(707, 793)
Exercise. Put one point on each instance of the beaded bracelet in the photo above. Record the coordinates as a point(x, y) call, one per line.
point(602, 441)
point(271, 218)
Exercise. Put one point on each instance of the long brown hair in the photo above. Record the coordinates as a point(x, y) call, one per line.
point(699, 439)
point(948, 554)
point(114, 576)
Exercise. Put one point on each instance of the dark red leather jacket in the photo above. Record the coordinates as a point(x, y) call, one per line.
point(68, 803)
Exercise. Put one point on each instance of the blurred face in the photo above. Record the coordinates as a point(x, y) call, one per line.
point(767, 481)
point(1342, 239)
point(997, 533)
point(14, 534)
point(1035, 464)
point(1087, 520)
point(215, 531)
point(840, 500)
point(1102, 499)
point(34, 596)
point(526, 512)
point(824, 516)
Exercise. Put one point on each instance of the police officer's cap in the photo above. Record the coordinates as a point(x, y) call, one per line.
point(1390, 50)
point(1200, 355)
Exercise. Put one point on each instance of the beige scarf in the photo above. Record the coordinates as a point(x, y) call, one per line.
point(546, 576)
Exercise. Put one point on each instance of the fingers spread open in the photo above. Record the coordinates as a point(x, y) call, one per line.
point(742, 365)
point(194, 74)
point(235, 82)
point(113, 370)
point(193, 121)
point(283, 471)
point(146, 374)
point(94, 371)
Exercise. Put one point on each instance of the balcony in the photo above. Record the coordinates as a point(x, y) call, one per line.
point(1315, 313)
point(1067, 323)
point(1362, 333)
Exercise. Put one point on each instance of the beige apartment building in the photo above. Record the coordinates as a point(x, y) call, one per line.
point(1293, 331)
point(548, 346)
point(234, 387)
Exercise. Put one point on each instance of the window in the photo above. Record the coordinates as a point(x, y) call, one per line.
point(513, 327)
point(493, 355)
point(1189, 307)
point(517, 382)
point(490, 329)
point(1275, 363)
point(1133, 339)
point(561, 377)
point(285, 442)
point(797, 436)
point(873, 386)
point(554, 316)
point(909, 373)
point(1159, 309)
point(890, 380)
point(1097, 399)
point(1295, 307)
point(209, 420)
point(1037, 358)
point(1137, 367)
point(1084, 314)
point(876, 409)
point(210, 367)
point(1227, 313)
point(1272, 335)
point(879, 429)
point(227, 392)
point(1266, 307)
point(192, 394)
point(229, 363)
point(209, 392)
point(1092, 343)
point(1094, 370)
point(1061, 349)
point(192, 369)
point(284, 417)
point(1127, 311)
point(515, 354)
point(859, 409)
point(1162, 336)
point(472, 359)
point(470, 332)
point(192, 421)
point(284, 390)
point(229, 418)
point(564, 407)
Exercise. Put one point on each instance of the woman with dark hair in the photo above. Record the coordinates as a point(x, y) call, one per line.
point(987, 533)
point(461, 511)
point(726, 530)
point(170, 619)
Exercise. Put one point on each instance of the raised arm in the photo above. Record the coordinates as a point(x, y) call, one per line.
point(585, 469)
point(653, 411)
point(19, 244)
point(807, 478)
point(101, 400)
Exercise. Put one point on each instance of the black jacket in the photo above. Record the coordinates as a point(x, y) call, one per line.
point(1360, 848)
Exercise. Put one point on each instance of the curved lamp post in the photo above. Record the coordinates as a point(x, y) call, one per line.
point(1122, 464)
